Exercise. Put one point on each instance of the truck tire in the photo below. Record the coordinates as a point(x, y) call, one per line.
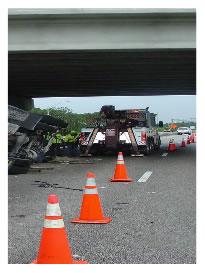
point(157, 147)
point(151, 145)
point(82, 149)
point(20, 166)
point(147, 151)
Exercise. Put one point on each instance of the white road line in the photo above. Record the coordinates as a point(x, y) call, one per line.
point(164, 154)
point(145, 177)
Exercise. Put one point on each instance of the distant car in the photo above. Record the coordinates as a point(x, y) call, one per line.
point(167, 129)
point(184, 130)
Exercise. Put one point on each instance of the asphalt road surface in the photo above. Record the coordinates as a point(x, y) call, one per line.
point(153, 222)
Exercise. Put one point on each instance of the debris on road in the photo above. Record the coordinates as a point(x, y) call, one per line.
point(73, 162)
point(39, 169)
point(81, 162)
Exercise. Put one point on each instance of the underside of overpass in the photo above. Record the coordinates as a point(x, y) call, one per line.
point(102, 73)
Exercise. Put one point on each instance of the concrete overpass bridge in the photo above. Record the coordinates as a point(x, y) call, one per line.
point(100, 52)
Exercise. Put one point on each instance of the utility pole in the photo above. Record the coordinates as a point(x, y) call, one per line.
point(56, 104)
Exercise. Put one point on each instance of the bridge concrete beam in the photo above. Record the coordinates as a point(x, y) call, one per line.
point(101, 52)
point(105, 29)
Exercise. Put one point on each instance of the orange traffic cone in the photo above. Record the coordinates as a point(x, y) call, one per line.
point(54, 246)
point(183, 143)
point(120, 171)
point(188, 140)
point(91, 209)
point(172, 146)
point(192, 138)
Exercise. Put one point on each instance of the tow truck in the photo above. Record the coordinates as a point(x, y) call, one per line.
point(131, 131)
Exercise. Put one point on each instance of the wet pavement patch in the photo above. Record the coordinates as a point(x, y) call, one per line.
point(43, 184)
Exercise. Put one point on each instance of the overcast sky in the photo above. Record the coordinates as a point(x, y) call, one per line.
point(167, 107)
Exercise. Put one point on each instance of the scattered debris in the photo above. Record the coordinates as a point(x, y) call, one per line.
point(76, 256)
point(81, 162)
point(74, 161)
point(39, 169)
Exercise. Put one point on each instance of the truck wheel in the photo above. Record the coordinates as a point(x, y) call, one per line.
point(152, 145)
point(82, 149)
point(157, 147)
point(147, 151)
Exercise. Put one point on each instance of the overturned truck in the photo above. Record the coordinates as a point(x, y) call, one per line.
point(26, 142)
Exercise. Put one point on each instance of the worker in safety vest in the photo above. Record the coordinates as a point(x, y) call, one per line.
point(46, 138)
point(72, 141)
point(75, 142)
point(57, 142)
point(69, 144)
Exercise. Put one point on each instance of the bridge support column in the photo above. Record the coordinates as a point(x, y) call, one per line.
point(23, 103)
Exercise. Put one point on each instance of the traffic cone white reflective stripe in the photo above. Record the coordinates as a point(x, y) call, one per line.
point(53, 210)
point(120, 157)
point(91, 182)
point(59, 223)
point(53, 218)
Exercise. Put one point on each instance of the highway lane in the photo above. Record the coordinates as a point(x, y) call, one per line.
point(153, 221)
